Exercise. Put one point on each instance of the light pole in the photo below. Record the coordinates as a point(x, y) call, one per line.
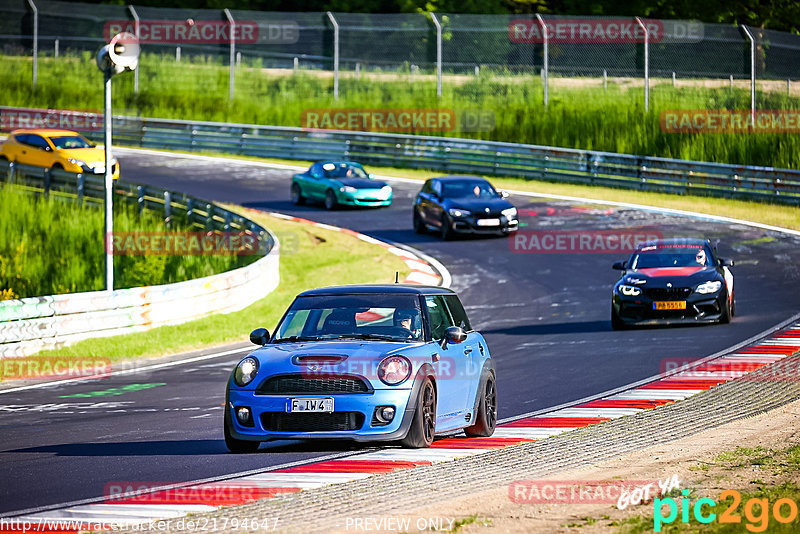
point(121, 54)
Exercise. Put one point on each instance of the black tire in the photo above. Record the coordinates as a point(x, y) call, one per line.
point(486, 417)
point(727, 312)
point(297, 196)
point(445, 231)
point(330, 200)
point(616, 322)
point(423, 426)
point(419, 226)
point(238, 446)
point(733, 305)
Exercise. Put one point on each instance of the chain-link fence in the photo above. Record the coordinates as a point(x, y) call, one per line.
point(352, 44)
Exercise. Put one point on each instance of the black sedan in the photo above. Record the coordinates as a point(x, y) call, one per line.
point(463, 204)
point(673, 281)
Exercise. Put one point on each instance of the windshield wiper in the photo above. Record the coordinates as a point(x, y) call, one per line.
point(296, 338)
point(383, 337)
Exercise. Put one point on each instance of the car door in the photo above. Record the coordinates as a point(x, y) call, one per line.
point(39, 152)
point(428, 201)
point(451, 387)
point(315, 182)
point(473, 349)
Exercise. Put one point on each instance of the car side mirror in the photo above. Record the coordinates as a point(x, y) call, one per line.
point(371, 176)
point(259, 336)
point(455, 334)
point(725, 262)
point(619, 266)
point(504, 194)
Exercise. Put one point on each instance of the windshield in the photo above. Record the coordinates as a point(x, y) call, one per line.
point(379, 317)
point(344, 170)
point(671, 256)
point(469, 189)
point(71, 141)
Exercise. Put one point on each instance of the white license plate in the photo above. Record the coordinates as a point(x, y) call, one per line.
point(488, 222)
point(323, 405)
point(99, 170)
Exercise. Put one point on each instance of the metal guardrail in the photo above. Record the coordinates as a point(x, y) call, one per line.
point(456, 155)
point(31, 324)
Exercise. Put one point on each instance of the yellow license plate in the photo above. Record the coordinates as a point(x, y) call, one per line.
point(670, 305)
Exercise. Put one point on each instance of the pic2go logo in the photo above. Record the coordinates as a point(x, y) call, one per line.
point(756, 511)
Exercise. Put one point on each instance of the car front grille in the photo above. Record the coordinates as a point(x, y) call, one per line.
point(300, 384)
point(668, 293)
point(312, 422)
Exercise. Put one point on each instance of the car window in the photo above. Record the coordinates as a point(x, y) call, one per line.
point(316, 170)
point(457, 312)
point(344, 170)
point(436, 186)
point(439, 318)
point(428, 187)
point(38, 142)
point(390, 317)
point(469, 189)
point(22, 138)
point(70, 141)
point(672, 256)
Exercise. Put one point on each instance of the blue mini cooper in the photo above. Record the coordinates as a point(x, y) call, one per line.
point(366, 363)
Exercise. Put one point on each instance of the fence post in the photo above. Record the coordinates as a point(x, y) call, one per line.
point(232, 60)
point(81, 186)
point(140, 198)
point(605, 80)
point(177, 54)
point(646, 64)
point(47, 178)
point(35, 42)
point(335, 56)
point(55, 48)
point(752, 73)
point(136, 33)
point(167, 208)
point(545, 59)
point(438, 54)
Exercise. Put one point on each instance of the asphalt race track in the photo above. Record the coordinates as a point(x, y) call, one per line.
point(545, 316)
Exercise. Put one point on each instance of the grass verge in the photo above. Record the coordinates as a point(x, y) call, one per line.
point(581, 117)
point(321, 257)
point(54, 245)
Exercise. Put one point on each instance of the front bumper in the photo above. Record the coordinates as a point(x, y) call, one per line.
point(470, 225)
point(699, 309)
point(266, 408)
point(363, 199)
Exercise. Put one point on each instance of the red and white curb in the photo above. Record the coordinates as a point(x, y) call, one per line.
point(176, 502)
point(424, 269)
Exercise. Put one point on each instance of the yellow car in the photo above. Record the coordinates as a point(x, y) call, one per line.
point(56, 149)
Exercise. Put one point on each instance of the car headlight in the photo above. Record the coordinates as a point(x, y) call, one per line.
point(348, 189)
point(709, 287)
point(78, 162)
point(246, 371)
point(394, 370)
point(510, 213)
point(455, 212)
point(629, 291)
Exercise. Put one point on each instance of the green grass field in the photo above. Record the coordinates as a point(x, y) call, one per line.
point(579, 117)
point(53, 245)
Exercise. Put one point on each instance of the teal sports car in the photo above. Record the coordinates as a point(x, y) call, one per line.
point(340, 183)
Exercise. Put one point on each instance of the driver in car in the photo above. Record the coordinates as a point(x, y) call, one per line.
point(405, 319)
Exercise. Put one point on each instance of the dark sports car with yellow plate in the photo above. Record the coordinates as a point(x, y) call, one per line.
point(670, 281)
